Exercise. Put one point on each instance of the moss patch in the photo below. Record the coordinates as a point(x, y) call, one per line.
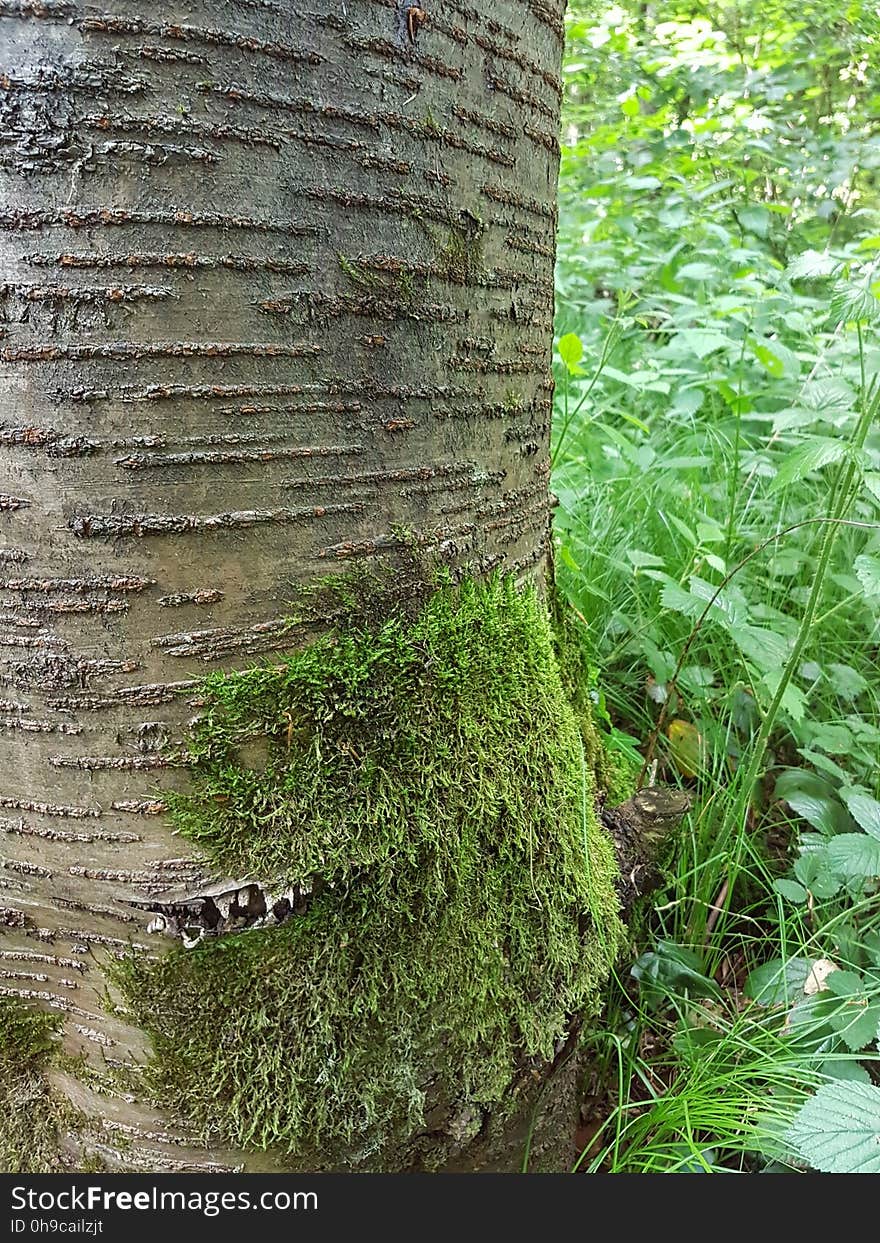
point(425, 772)
point(29, 1134)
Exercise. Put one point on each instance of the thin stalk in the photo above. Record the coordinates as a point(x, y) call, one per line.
point(841, 498)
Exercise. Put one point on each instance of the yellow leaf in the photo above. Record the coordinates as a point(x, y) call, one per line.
point(686, 747)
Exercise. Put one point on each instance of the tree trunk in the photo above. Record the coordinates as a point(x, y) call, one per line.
point(278, 301)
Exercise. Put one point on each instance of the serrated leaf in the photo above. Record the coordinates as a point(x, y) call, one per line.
point(823, 763)
point(838, 1130)
point(762, 647)
point(812, 455)
point(847, 682)
point(811, 265)
point(864, 810)
point(868, 573)
point(829, 396)
point(675, 597)
point(852, 304)
point(814, 871)
point(833, 738)
point(857, 1019)
point(844, 983)
point(793, 702)
point(854, 855)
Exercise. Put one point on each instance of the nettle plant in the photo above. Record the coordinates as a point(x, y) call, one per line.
point(717, 460)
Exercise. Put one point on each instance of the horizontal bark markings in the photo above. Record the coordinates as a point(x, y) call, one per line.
point(181, 259)
point(199, 34)
point(119, 217)
point(231, 456)
point(88, 526)
point(50, 809)
point(146, 695)
point(24, 828)
point(120, 351)
point(105, 582)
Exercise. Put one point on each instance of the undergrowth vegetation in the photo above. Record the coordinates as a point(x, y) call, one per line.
point(717, 459)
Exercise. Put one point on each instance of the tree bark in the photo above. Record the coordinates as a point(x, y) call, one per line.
point(278, 299)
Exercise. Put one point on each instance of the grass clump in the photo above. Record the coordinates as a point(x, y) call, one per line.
point(29, 1135)
point(425, 772)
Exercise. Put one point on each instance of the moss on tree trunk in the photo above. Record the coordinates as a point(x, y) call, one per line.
point(422, 820)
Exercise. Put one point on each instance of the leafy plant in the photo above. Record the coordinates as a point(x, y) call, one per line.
point(717, 461)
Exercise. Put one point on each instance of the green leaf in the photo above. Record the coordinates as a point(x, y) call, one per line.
point(791, 890)
point(838, 1130)
point(852, 304)
point(822, 762)
point(566, 557)
point(812, 455)
point(856, 1021)
point(778, 982)
point(847, 682)
point(702, 341)
point(571, 351)
point(845, 1068)
point(754, 219)
point(812, 265)
point(864, 810)
point(769, 359)
point(640, 558)
point(678, 600)
point(868, 573)
point(815, 873)
point(697, 272)
point(854, 855)
point(829, 397)
point(794, 701)
point(672, 971)
point(813, 799)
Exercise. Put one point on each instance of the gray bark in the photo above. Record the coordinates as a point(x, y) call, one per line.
point(277, 296)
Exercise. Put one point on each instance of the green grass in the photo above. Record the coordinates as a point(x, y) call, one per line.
point(723, 392)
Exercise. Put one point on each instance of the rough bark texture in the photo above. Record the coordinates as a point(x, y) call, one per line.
point(277, 297)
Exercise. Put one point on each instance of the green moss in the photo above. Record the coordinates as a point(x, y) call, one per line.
point(617, 775)
point(423, 768)
point(29, 1134)
point(460, 251)
point(357, 273)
